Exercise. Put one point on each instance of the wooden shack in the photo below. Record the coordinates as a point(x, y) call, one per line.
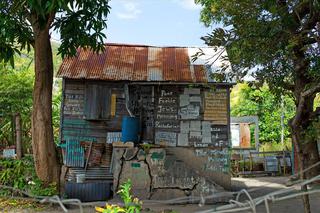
point(184, 122)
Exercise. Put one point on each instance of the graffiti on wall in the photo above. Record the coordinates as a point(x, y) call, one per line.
point(217, 160)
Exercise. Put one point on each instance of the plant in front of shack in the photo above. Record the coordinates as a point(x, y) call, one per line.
point(21, 175)
point(131, 204)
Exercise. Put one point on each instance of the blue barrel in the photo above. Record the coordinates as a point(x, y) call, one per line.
point(130, 129)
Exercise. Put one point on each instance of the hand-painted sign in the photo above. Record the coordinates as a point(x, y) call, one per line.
point(166, 138)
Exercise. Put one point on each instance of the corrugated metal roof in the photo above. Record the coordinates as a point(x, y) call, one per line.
point(136, 63)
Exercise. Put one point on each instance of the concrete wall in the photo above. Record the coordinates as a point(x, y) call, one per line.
point(166, 173)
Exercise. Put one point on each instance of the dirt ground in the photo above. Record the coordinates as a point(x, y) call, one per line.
point(257, 186)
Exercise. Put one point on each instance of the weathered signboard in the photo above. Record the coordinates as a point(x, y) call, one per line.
point(166, 112)
point(215, 106)
point(166, 138)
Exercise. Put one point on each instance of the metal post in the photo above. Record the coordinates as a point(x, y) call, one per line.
point(282, 136)
point(18, 135)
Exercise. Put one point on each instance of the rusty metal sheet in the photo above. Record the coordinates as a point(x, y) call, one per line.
point(200, 73)
point(183, 64)
point(134, 63)
point(155, 69)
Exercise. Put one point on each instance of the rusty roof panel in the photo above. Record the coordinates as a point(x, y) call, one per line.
point(134, 63)
point(140, 68)
point(200, 73)
point(183, 64)
point(155, 65)
point(169, 68)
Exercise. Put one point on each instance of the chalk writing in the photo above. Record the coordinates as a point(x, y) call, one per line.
point(167, 125)
point(113, 137)
point(190, 112)
point(217, 160)
point(74, 96)
point(166, 93)
point(215, 106)
point(169, 180)
point(166, 112)
point(208, 151)
point(199, 145)
point(166, 109)
point(195, 135)
point(222, 128)
point(206, 139)
point(166, 138)
point(167, 116)
point(167, 100)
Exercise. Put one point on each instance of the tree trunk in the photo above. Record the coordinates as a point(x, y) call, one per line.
point(18, 135)
point(44, 151)
point(305, 145)
point(304, 139)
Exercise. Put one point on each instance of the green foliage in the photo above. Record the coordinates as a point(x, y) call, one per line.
point(15, 97)
point(28, 23)
point(146, 147)
point(246, 100)
point(20, 174)
point(80, 23)
point(275, 146)
point(267, 37)
point(15, 89)
point(12, 173)
point(56, 104)
point(16, 86)
point(38, 188)
point(131, 204)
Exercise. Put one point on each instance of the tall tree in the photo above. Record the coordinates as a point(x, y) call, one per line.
point(277, 40)
point(26, 24)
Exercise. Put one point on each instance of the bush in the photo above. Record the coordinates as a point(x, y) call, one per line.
point(21, 175)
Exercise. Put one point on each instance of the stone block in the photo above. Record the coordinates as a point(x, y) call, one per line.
point(167, 194)
point(130, 153)
point(141, 155)
point(116, 163)
point(138, 173)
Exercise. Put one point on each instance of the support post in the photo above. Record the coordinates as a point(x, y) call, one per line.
point(18, 135)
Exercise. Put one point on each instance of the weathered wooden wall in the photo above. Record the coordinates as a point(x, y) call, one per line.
point(74, 122)
point(170, 115)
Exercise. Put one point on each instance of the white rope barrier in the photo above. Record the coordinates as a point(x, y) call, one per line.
point(251, 204)
point(236, 205)
point(233, 206)
point(53, 199)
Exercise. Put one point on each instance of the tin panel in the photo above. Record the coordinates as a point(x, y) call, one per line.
point(134, 63)
point(74, 154)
